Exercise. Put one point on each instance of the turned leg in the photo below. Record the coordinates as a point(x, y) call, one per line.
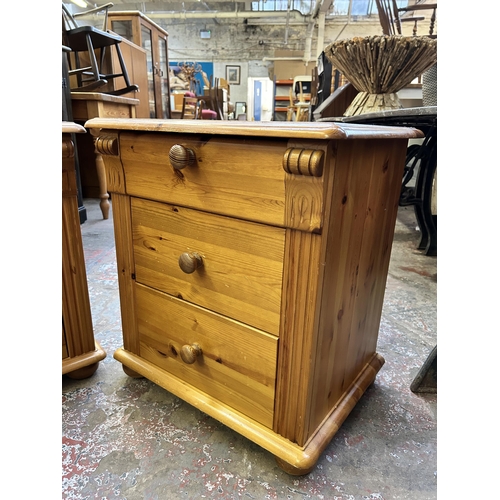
point(101, 177)
point(103, 186)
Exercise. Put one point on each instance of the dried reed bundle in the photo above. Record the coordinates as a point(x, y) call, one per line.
point(382, 64)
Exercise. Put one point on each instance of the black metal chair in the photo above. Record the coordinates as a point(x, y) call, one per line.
point(87, 67)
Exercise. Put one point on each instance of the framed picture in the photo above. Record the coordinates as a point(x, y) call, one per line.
point(233, 75)
point(240, 108)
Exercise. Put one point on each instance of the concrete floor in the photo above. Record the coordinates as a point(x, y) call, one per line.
point(127, 438)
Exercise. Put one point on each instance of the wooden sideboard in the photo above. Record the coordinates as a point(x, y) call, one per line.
point(81, 353)
point(252, 261)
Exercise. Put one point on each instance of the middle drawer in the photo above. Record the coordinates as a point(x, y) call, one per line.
point(240, 263)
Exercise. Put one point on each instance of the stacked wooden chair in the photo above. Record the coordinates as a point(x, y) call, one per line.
point(197, 107)
point(88, 46)
point(391, 16)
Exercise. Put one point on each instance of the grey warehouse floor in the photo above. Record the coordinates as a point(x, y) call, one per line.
point(127, 438)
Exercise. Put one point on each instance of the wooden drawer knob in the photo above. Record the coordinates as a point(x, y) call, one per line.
point(180, 157)
point(189, 353)
point(189, 262)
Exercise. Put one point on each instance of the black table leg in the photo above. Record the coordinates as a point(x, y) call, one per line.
point(423, 193)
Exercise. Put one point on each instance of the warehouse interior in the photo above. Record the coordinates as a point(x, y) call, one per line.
point(128, 438)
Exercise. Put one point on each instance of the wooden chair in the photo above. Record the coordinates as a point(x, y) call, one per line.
point(197, 107)
point(208, 109)
point(302, 105)
point(191, 108)
point(390, 16)
point(298, 108)
point(290, 110)
point(84, 41)
point(302, 86)
point(208, 113)
point(214, 94)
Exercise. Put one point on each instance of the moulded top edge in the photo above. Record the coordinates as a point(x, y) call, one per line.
point(289, 130)
point(72, 128)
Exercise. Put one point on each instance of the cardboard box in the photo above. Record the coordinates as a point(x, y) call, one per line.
point(285, 70)
point(224, 85)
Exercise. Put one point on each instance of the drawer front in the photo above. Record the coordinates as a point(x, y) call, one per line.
point(242, 178)
point(242, 262)
point(236, 365)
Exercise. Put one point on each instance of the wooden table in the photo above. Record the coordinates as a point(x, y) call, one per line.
point(86, 105)
point(81, 353)
point(252, 260)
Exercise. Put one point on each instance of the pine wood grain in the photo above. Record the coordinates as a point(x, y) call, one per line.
point(358, 241)
point(122, 224)
point(324, 131)
point(342, 284)
point(237, 365)
point(287, 234)
point(218, 181)
point(242, 261)
point(75, 304)
point(80, 352)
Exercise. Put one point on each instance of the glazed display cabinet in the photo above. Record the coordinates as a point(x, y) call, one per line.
point(137, 28)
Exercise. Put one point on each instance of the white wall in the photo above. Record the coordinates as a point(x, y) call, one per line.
point(253, 46)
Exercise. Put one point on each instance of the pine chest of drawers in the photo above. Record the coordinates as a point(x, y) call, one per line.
point(252, 261)
point(81, 353)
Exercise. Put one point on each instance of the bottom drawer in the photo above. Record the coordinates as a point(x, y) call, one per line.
point(236, 363)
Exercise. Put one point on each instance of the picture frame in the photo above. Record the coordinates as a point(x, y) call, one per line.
point(233, 74)
point(240, 108)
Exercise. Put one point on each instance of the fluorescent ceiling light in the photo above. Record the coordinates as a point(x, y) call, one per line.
point(80, 3)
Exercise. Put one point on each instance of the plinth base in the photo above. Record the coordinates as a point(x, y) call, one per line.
point(290, 457)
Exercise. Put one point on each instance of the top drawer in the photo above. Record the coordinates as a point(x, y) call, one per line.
point(241, 178)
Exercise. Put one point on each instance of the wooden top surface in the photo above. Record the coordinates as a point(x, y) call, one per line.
point(99, 96)
point(290, 130)
point(72, 128)
point(405, 113)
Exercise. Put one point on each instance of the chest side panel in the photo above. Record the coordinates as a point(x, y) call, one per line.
point(357, 250)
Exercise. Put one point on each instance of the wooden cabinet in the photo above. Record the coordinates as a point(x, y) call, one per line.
point(139, 29)
point(86, 105)
point(252, 261)
point(135, 60)
point(80, 352)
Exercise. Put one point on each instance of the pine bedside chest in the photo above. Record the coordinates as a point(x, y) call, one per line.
point(252, 261)
point(81, 353)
